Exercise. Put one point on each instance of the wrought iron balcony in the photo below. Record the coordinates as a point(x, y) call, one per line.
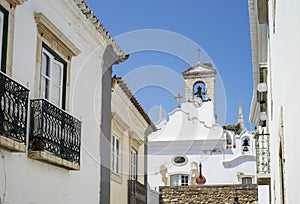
point(54, 131)
point(136, 192)
point(13, 109)
point(263, 158)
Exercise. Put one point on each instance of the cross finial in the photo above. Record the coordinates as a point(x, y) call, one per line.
point(199, 52)
point(178, 97)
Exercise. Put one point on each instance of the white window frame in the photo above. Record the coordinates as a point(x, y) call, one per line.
point(116, 154)
point(51, 84)
point(180, 180)
point(133, 163)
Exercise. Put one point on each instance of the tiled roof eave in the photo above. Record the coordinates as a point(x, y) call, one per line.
point(89, 14)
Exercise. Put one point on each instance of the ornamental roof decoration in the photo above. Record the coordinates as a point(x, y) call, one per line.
point(199, 69)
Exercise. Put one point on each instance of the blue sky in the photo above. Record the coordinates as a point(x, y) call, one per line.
point(221, 28)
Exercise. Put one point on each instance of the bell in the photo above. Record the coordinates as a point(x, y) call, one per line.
point(246, 145)
point(245, 149)
point(246, 142)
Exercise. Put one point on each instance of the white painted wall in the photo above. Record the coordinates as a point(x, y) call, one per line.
point(213, 168)
point(152, 196)
point(191, 131)
point(284, 76)
point(30, 181)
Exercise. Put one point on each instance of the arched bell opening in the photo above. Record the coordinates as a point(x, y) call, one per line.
point(199, 90)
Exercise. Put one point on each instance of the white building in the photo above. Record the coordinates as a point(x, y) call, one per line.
point(130, 128)
point(274, 111)
point(192, 136)
point(56, 61)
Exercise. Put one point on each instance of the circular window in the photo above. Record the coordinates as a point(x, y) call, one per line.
point(180, 160)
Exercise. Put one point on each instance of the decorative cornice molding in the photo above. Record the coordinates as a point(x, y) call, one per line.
point(14, 3)
point(49, 31)
point(117, 120)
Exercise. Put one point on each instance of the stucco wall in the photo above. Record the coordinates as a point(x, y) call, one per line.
point(25, 180)
point(283, 82)
point(131, 128)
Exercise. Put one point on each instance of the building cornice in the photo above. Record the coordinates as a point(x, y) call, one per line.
point(14, 3)
point(89, 15)
point(254, 47)
point(48, 30)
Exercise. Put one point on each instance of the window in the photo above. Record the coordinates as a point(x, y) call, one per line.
point(179, 180)
point(133, 164)
point(52, 85)
point(116, 154)
point(55, 52)
point(3, 37)
point(246, 180)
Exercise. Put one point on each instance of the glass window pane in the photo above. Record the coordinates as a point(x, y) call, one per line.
point(1, 34)
point(55, 95)
point(45, 65)
point(56, 74)
point(174, 181)
point(44, 88)
point(247, 180)
point(115, 155)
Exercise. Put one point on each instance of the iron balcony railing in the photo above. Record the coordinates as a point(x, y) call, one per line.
point(13, 109)
point(136, 192)
point(53, 130)
point(262, 153)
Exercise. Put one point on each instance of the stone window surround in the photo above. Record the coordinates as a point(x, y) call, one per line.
point(242, 175)
point(49, 34)
point(10, 6)
point(118, 128)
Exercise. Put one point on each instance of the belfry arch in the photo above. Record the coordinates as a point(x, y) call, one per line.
point(199, 90)
point(203, 74)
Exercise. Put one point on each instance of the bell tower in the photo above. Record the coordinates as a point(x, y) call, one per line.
point(199, 82)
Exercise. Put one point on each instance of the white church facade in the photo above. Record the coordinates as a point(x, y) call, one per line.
point(191, 148)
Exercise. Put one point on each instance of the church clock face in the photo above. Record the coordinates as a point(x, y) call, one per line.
point(180, 160)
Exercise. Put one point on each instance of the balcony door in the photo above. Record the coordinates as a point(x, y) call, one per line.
point(51, 87)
